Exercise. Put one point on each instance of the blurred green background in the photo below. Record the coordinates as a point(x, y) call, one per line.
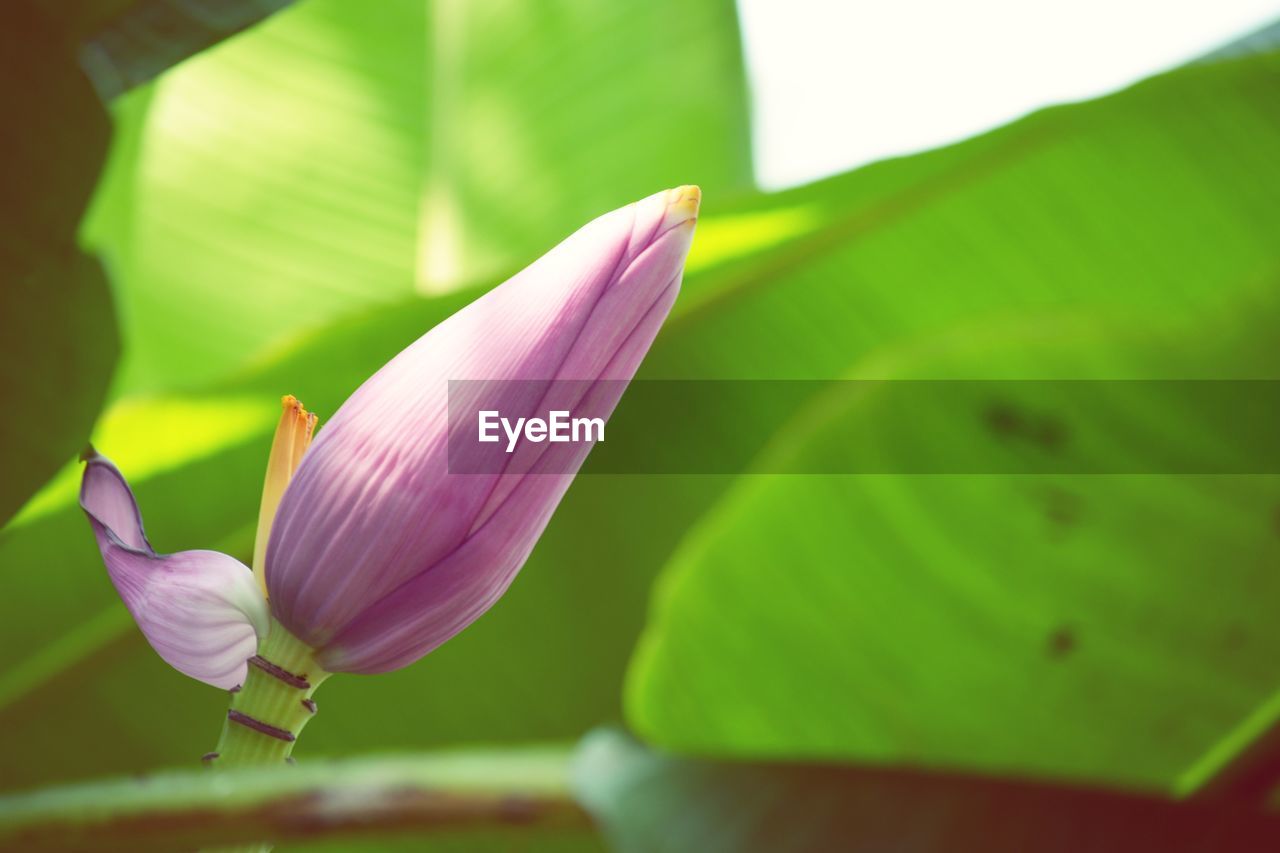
point(284, 211)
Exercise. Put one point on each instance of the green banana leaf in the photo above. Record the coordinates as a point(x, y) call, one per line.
point(341, 156)
point(1106, 628)
point(58, 339)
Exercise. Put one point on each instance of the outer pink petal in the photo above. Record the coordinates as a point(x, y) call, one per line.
point(201, 611)
point(378, 554)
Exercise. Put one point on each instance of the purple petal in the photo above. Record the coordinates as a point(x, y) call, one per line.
point(378, 554)
point(201, 611)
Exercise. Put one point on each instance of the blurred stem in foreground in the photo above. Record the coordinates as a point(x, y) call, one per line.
point(639, 798)
point(526, 788)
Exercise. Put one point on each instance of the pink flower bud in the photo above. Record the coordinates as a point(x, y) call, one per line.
point(377, 553)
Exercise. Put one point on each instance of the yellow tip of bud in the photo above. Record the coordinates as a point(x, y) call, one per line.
point(682, 206)
point(687, 198)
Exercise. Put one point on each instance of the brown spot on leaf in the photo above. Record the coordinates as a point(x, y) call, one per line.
point(1061, 508)
point(1050, 434)
point(1062, 642)
point(1235, 638)
point(1003, 419)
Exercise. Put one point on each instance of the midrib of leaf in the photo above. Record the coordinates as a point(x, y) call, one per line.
point(741, 274)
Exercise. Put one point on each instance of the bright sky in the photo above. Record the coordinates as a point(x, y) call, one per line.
point(839, 83)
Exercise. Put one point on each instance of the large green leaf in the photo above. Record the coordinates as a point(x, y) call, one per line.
point(1122, 207)
point(648, 802)
point(58, 336)
point(57, 327)
point(343, 155)
point(1109, 628)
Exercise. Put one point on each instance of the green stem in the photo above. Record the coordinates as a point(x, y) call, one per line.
point(269, 711)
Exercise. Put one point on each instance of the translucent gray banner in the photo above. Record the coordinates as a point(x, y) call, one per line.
point(865, 427)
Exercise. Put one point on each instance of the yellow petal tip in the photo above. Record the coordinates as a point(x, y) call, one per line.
point(682, 205)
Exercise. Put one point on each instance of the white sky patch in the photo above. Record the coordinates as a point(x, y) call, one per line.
point(840, 83)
